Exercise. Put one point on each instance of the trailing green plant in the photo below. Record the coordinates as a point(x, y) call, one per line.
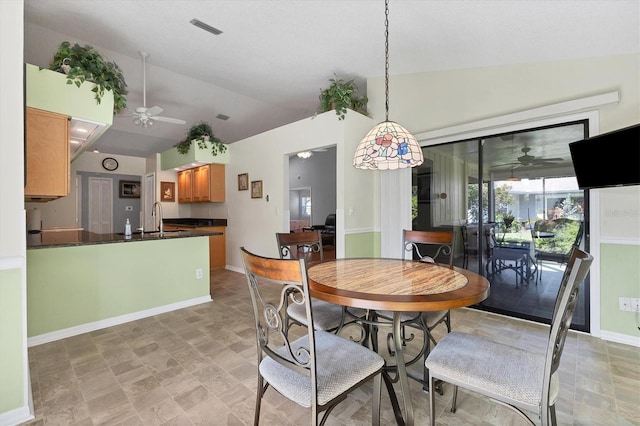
point(85, 63)
point(340, 96)
point(201, 133)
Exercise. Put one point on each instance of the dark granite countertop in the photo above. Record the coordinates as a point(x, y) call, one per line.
point(81, 238)
point(196, 222)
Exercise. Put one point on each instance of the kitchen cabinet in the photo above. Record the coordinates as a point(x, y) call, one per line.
point(202, 184)
point(185, 178)
point(217, 247)
point(47, 155)
point(217, 243)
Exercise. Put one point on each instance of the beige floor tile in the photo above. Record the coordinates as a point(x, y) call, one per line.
point(198, 366)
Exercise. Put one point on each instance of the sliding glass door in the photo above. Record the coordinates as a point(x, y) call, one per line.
point(511, 199)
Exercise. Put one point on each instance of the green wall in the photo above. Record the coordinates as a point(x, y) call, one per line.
point(71, 286)
point(619, 277)
point(11, 350)
point(366, 244)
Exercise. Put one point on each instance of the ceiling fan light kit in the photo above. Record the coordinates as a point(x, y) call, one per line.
point(146, 117)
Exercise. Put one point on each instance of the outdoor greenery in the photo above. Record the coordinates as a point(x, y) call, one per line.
point(201, 133)
point(340, 96)
point(85, 63)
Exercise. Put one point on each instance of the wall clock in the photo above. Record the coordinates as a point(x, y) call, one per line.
point(110, 164)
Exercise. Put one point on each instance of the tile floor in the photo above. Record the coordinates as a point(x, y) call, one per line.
point(197, 366)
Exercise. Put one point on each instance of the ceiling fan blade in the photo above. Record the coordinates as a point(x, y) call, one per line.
point(155, 110)
point(544, 160)
point(168, 120)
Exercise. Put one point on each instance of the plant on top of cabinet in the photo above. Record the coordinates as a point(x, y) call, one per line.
point(340, 96)
point(85, 63)
point(201, 133)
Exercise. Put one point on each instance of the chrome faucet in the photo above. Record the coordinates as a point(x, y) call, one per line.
point(153, 213)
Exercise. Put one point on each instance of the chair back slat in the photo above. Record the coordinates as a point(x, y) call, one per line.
point(272, 283)
point(436, 245)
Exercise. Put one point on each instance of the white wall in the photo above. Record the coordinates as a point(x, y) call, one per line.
point(252, 223)
point(15, 391)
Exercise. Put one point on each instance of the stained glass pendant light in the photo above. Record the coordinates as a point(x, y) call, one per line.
point(388, 146)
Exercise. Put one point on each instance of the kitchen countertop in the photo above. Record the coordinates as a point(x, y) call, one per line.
point(81, 238)
point(196, 222)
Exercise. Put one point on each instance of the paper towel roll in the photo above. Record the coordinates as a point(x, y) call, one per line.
point(34, 220)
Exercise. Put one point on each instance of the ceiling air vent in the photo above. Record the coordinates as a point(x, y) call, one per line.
point(205, 27)
point(222, 117)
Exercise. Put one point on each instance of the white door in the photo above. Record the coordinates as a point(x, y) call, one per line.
point(149, 199)
point(100, 205)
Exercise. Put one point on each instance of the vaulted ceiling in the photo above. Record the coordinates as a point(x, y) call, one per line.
point(267, 67)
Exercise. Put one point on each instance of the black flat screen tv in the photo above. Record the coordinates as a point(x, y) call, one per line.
point(610, 159)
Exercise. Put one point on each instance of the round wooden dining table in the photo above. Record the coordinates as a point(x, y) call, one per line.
point(399, 286)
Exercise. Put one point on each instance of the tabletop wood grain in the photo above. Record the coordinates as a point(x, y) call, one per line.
point(394, 284)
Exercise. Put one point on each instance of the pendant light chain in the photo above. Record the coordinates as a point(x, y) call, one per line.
point(386, 59)
point(388, 146)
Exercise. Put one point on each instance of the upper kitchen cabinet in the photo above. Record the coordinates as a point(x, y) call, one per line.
point(48, 90)
point(202, 184)
point(47, 155)
point(185, 185)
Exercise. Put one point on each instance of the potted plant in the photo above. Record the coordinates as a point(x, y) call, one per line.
point(201, 133)
point(340, 96)
point(508, 219)
point(85, 63)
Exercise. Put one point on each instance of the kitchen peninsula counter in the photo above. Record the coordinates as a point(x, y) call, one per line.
point(78, 281)
point(81, 238)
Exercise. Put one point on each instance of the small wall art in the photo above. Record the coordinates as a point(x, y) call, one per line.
point(256, 189)
point(168, 191)
point(243, 182)
point(130, 189)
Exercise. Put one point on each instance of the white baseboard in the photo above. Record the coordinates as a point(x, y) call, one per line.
point(234, 269)
point(109, 322)
point(15, 416)
point(625, 339)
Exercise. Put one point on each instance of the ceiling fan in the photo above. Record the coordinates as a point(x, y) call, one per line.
point(144, 116)
point(527, 160)
point(530, 160)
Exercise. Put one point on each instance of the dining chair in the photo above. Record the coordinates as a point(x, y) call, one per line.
point(327, 316)
point(429, 247)
point(520, 379)
point(318, 369)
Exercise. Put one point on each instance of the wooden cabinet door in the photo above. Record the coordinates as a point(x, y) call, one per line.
point(185, 189)
point(47, 154)
point(217, 247)
point(201, 183)
point(216, 183)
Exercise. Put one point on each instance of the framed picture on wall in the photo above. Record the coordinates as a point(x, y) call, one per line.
point(130, 189)
point(256, 189)
point(168, 191)
point(243, 182)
